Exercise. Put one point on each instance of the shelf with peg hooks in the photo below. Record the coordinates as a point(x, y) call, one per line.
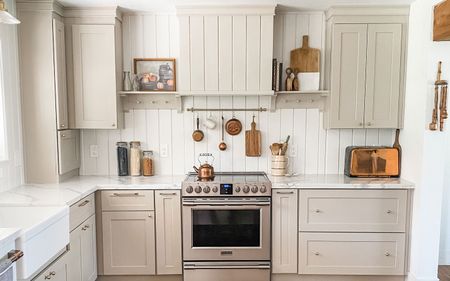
point(299, 99)
point(151, 100)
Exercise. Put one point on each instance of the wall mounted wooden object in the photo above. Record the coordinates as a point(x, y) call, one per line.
point(441, 31)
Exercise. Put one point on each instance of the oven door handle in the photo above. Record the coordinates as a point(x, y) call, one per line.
point(225, 204)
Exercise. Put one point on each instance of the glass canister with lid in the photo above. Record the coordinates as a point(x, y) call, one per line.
point(135, 158)
point(147, 163)
point(122, 158)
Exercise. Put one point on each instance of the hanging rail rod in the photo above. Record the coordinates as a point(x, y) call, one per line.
point(192, 109)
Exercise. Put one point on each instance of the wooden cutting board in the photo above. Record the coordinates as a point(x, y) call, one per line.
point(253, 141)
point(305, 59)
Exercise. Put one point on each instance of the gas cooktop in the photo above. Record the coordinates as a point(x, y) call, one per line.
point(228, 184)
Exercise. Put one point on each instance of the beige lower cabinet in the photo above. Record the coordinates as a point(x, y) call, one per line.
point(129, 242)
point(168, 232)
point(57, 271)
point(82, 256)
point(284, 230)
point(352, 253)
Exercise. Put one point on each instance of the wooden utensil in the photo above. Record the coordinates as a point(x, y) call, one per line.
point(275, 148)
point(233, 126)
point(223, 145)
point(284, 146)
point(305, 59)
point(253, 141)
point(198, 135)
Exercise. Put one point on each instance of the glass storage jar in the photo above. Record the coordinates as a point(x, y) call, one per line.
point(147, 163)
point(122, 158)
point(135, 158)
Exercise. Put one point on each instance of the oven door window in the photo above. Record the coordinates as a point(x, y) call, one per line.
point(226, 228)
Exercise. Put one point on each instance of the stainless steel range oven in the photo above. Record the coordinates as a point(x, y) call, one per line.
point(227, 227)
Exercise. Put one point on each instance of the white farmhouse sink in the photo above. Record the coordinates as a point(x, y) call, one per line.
point(44, 235)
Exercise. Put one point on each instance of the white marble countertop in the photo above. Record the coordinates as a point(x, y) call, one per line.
point(339, 182)
point(75, 189)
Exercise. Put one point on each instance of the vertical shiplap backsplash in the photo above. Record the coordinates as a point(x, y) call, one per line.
point(313, 150)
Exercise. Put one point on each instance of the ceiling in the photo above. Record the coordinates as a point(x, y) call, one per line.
point(169, 5)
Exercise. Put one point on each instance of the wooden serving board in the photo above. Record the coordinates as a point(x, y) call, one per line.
point(305, 59)
point(441, 30)
point(253, 142)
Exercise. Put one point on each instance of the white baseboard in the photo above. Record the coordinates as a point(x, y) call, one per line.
point(412, 277)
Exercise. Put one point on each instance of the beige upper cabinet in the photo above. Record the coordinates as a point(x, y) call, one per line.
point(284, 231)
point(366, 57)
point(348, 76)
point(168, 232)
point(384, 51)
point(225, 50)
point(59, 47)
point(95, 76)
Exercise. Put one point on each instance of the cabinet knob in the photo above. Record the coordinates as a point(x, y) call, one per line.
point(138, 102)
point(369, 124)
point(62, 125)
point(389, 212)
point(387, 254)
point(361, 124)
point(316, 253)
point(317, 211)
point(113, 124)
point(85, 227)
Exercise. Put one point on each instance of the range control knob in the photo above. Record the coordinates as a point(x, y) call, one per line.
point(189, 189)
point(246, 189)
point(263, 189)
point(198, 189)
point(206, 189)
point(215, 189)
point(237, 189)
point(254, 188)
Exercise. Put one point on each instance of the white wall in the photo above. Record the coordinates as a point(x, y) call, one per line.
point(316, 150)
point(11, 170)
point(423, 150)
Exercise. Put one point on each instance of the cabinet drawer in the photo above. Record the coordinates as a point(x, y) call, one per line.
point(352, 253)
point(353, 210)
point(81, 211)
point(127, 200)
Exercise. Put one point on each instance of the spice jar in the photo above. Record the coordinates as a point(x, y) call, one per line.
point(135, 158)
point(147, 163)
point(122, 158)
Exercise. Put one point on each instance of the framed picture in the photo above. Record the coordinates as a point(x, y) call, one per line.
point(156, 74)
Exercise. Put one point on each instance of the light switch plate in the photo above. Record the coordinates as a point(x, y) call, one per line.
point(93, 151)
point(164, 150)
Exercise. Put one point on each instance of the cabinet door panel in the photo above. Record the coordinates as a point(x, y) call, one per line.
point(74, 256)
point(348, 75)
point(59, 58)
point(88, 250)
point(94, 76)
point(383, 75)
point(68, 150)
point(284, 231)
point(168, 232)
point(128, 243)
point(197, 53)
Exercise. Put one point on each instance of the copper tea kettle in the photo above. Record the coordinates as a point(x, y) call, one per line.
point(205, 171)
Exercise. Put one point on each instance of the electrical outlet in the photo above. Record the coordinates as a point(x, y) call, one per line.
point(292, 150)
point(93, 151)
point(164, 153)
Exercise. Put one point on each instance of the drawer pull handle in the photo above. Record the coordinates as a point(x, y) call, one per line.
point(285, 192)
point(316, 253)
point(48, 277)
point(86, 227)
point(84, 203)
point(53, 273)
point(317, 211)
point(389, 211)
point(126, 194)
point(387, 254)
point(169, 194)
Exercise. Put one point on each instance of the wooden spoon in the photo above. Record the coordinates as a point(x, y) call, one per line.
point(223, 145)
